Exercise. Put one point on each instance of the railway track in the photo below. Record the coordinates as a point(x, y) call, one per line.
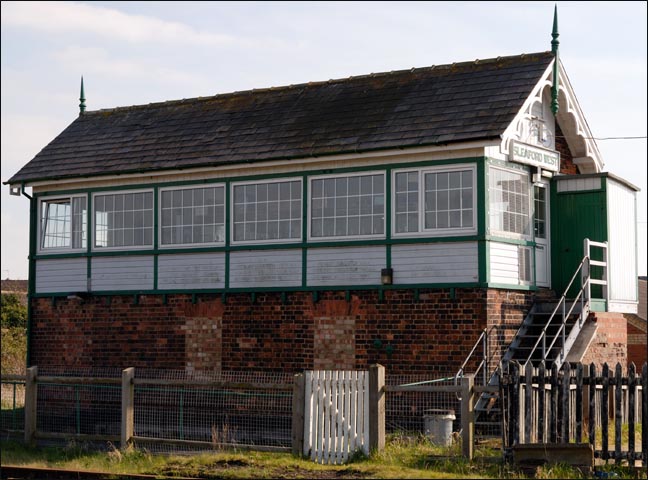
point(11, 472)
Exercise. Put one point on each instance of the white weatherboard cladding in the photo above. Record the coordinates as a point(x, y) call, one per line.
point(579, 184)
point(128, 272)
point(265, 268)
point(345, 265)
point(504, 264)
point(622, 232)
point(435, 263)
point(191, 271)
point(62, 275)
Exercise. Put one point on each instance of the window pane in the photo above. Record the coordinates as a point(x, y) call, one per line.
point(509, 202)
point(56, 223)
point(348, 206)
point(268, 211)
point(401, 223)
point(123, 219)
point(448, 195)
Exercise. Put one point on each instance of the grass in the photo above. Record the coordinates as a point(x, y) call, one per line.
point(403, 457)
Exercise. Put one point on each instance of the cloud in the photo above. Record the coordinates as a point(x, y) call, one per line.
point(61, 17)
point(97, 60)
point(23, 136)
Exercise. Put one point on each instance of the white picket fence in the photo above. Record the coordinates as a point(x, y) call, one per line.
point(336, 415)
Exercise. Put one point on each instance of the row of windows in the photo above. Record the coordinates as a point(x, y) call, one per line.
point(433, 201)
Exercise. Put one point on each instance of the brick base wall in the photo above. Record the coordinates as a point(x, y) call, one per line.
point(637, 341)
point(609, 344)
point(431, 334)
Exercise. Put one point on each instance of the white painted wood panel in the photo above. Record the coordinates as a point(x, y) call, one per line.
point(336, 415)
point(504, 264)
point(622, 238)
point(62, 275)
point(191, 271)
point(579, 184)
point(345, 265)
point(127, 272)
point(435, 263)
point(265, 268)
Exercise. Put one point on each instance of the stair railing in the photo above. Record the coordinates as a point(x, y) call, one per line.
point(584, 296)
point(486, 358)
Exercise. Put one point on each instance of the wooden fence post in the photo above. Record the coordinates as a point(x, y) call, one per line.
point(376, 407)
point(31, 394)
point(298, 415)
point(127, 406)
point(467, 415)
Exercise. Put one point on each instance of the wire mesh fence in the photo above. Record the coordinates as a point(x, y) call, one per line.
point(79, 409)
point(251, 409)
point(405, 411)
point(176, 411)
point(12, 418)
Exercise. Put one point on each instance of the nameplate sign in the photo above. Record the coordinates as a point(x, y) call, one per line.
point(536, 156)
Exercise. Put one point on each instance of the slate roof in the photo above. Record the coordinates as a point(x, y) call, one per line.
point(409, 108)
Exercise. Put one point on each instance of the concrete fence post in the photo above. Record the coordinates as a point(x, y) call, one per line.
point(298, 415)
point(127, 406)
point(376, 407)
point(31, 396)
point(467, 415)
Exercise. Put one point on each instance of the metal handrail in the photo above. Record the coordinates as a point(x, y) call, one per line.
point(483, 340)
point(583, 294)
point(543, 334)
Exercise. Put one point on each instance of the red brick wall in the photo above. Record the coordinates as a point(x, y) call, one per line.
point(567, 165)
point(637, 348)
point(610, 341)
point(506, 311)
point(430, 335)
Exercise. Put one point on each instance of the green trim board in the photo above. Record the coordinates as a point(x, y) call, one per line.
point(483, 256)
point(220, 291)
point(90, 239)
point(277, 246)
point(31, 284)
point(304, 233)
point(156, 238)
point(228, 230)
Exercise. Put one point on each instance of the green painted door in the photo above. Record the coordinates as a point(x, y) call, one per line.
point(574, 217)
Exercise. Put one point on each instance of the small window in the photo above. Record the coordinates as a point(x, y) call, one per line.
point(267, 211)
point(540, 217)
point(347, 206)
point(438, 200)
point(192, 216)
point(63, 223)
point(123, 220)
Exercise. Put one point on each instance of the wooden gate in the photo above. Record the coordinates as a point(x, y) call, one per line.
point(336, 414)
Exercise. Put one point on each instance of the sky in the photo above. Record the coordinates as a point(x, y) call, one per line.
point(133, 53)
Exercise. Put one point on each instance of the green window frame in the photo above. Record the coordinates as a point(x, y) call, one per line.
point(63, 223)
point(191, 216)
point(123, 220)
point(266, 211)
point(510, 203)
point(346, 206)
point(434, 201)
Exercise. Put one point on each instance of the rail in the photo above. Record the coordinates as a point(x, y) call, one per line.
point(584, 296)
